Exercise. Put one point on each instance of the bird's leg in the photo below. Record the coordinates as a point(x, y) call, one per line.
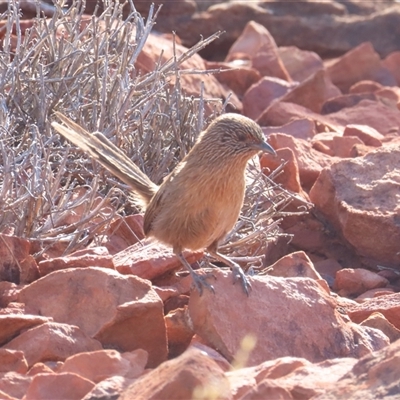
point(238, 274)
point(198, 280)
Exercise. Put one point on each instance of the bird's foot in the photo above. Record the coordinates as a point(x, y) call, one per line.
point(239, 275)
point(200, 282)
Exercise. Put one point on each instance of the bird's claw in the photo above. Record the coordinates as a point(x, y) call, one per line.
point(200, 281)
point(239, 275)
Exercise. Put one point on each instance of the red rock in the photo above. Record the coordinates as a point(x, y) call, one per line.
point(365, 9)
point(324, 285)
point(313, 92)
point(120, 311)
point(374, 114)
point(183, 285)
point(268, 389)
point(313, 234)
point(389, 96)
point(5, 396)
point(52, 250)
point(322, 147)
point(39, 368)
point(360, 150)
point(290, 178)
point(296, 264)
point(365, 87)
point(13, 308)
point(110, 388)
point(334, 144)
point(392, 62)
point(236, 76)
point(307, 233)
point(309, 161)
point(137, 361)
point(369, 294)
point(326, 138)
point(343, 145)
point(103, 364)
point(393, 138)
point(179, 332)
point(277, 307)
point(281, 113)
point(374, 376)
point(8, 293)
point(256, 44)
point(360, 196)
point(327, 269)
point(300, 64)
point(344, 302)
point(97, 365)
point(328, 28)
point(213, 354)
point(314, 379)
point(124, 232)
point(12, 360)
point(352, 282)
point(369, 90)
point(242, 380)
point(297, 377)
point(143, 330)
point(378, 321)
point(302, 128)
point(150, 260)
point(55, 366)
point(52, 341)
point(14, 385)
point(360, 63)
point(173, 281)
point(16, 265)
point(166, 293)
point(390, 274)
point(177, 301)
point(276, 248)
point(370, 136)
point(93, 257)
point(58, 386)
point(191, 375)
point(347, 100)
point(388, 305)
point(306, 9)
point(13, 324)
point(260, 95)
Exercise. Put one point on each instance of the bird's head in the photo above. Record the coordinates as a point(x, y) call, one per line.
point(237, 136)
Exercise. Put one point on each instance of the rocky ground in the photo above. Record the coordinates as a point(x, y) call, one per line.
point(323, 319)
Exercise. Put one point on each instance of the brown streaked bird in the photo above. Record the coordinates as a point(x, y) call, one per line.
point(200, 201)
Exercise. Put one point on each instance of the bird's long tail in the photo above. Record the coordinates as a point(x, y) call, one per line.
point(109, 156)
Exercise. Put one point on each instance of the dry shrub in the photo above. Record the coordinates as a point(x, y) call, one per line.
point(84, 67)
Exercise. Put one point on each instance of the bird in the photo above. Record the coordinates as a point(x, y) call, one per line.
point(199, 202)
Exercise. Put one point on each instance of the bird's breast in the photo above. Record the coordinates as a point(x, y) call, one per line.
point(193, 213)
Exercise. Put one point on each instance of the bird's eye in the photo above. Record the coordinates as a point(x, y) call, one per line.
point(241, 137)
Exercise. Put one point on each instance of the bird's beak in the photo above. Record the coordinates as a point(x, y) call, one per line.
point(266, 148)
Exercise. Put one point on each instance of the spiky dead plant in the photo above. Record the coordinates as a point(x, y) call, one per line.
point(85, 67)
